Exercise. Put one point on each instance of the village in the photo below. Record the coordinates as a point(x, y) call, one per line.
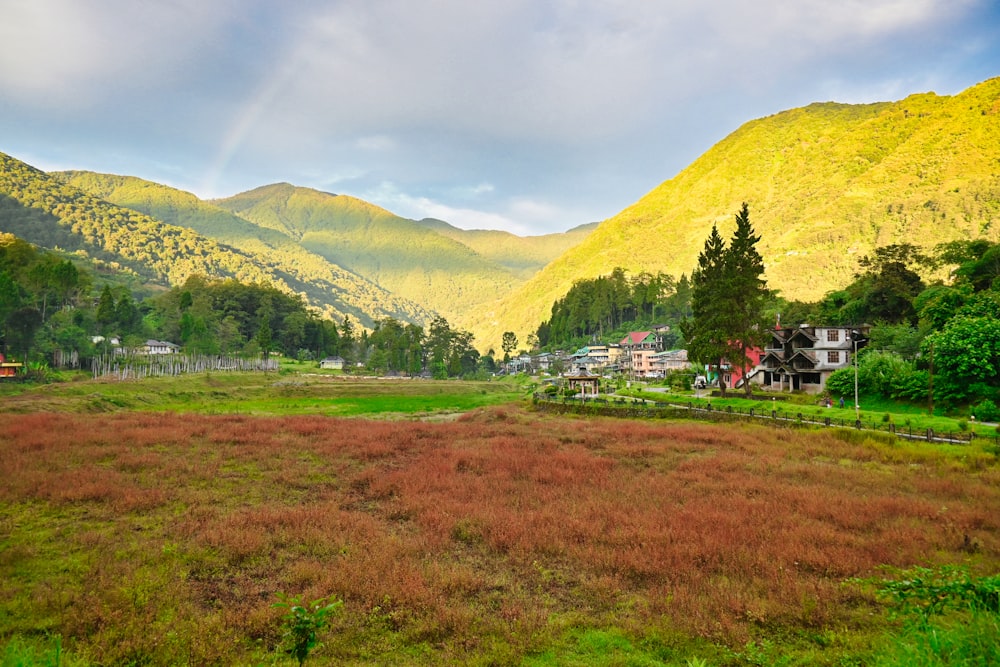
point(794, 359)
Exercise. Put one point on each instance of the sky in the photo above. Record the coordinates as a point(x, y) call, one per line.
point(530, 116)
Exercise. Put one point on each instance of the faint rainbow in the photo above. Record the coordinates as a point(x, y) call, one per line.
point(245, 119)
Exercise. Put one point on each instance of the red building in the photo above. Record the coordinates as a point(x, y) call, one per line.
point(8, 368)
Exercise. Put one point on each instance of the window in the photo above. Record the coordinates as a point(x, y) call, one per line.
point(832, 335)
point(833, 357)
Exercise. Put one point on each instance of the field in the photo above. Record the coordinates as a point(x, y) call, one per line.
point(163, 535)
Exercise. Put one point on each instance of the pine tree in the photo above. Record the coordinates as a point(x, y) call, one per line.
point(747, 293)
point(106, 310)
point(706, 332)
point(728, 296)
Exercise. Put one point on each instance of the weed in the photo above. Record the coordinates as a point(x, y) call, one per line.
point(926, 592)
point(303, 623)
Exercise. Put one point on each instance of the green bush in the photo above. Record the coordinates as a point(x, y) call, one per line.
point(986, 411)
point(304, 623)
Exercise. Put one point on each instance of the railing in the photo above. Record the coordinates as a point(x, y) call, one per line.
point(617, 406)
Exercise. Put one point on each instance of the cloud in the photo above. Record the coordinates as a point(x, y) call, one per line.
point(55, 52)
point(526, 114)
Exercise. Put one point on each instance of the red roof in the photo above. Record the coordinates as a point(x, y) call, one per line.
point(635, 337)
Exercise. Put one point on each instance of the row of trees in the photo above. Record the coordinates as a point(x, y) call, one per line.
point(395, 347)
point(49, 312)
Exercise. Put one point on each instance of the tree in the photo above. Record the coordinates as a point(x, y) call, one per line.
point(748, 295)
point(705, 332)
point(508, 344)
point(889, 285)
point(106, 310)
point(728, 300)
point(966, 357)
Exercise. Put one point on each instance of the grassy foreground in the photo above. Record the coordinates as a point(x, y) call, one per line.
point(263, 394)
point(164, 536)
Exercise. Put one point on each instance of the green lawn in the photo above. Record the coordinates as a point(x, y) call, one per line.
point(282, 393)
point(879, 412)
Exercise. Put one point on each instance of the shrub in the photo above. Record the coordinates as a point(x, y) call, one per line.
point(986, 411)
point(926, 592)
point(304, 623)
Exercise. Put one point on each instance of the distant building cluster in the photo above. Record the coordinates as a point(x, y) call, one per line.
point(795, 359)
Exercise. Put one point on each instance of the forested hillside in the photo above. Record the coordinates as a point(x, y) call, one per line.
point(44, 210)
point(328, 287)
point(826, 184)
point(404, 257)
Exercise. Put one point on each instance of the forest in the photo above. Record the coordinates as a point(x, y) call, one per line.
point(53, 315)
point(936, 340)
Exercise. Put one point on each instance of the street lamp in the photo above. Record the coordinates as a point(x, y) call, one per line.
point(855, 337)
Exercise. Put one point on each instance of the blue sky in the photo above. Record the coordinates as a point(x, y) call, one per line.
point(526, 115)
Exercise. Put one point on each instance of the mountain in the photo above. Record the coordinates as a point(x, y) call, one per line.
point(523, 256)
point(50, 212)
point(330, 288)
point(410, 260)
point(826, 184)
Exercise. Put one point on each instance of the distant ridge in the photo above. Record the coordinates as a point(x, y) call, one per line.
point(328, 287)
point(523, 256)
point(50, 212)
point(407, 258)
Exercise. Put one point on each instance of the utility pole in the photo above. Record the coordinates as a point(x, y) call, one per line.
point(930, 385)
point(855, 337)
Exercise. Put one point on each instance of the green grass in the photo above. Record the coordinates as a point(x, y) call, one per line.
point(265, 394)
point(903, 416)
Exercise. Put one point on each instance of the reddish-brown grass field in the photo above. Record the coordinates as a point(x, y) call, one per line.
point(164, 538)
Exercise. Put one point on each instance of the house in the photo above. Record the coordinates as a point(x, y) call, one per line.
point(641, 362)
point(594, 358)
point(641, 340)
point(733, 375)
point(669, 360)
point(114, 344)
point(520, 364)
point(332, 363)
point(8, 368)
point(543, 361)
point(803, 358)
point(159, 347)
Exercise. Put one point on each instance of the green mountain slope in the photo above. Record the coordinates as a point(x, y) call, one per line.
point(325, 285)
point(404, 257)
point(523, 256)
point(50, 213)
point(826, 184)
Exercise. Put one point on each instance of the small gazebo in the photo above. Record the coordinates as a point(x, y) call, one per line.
point(585, 383)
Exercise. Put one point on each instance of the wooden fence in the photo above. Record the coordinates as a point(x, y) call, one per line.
point(138, 366)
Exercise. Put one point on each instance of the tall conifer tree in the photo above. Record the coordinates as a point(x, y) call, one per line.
point(706, 331)
point(728, 295)
point(747, 294)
